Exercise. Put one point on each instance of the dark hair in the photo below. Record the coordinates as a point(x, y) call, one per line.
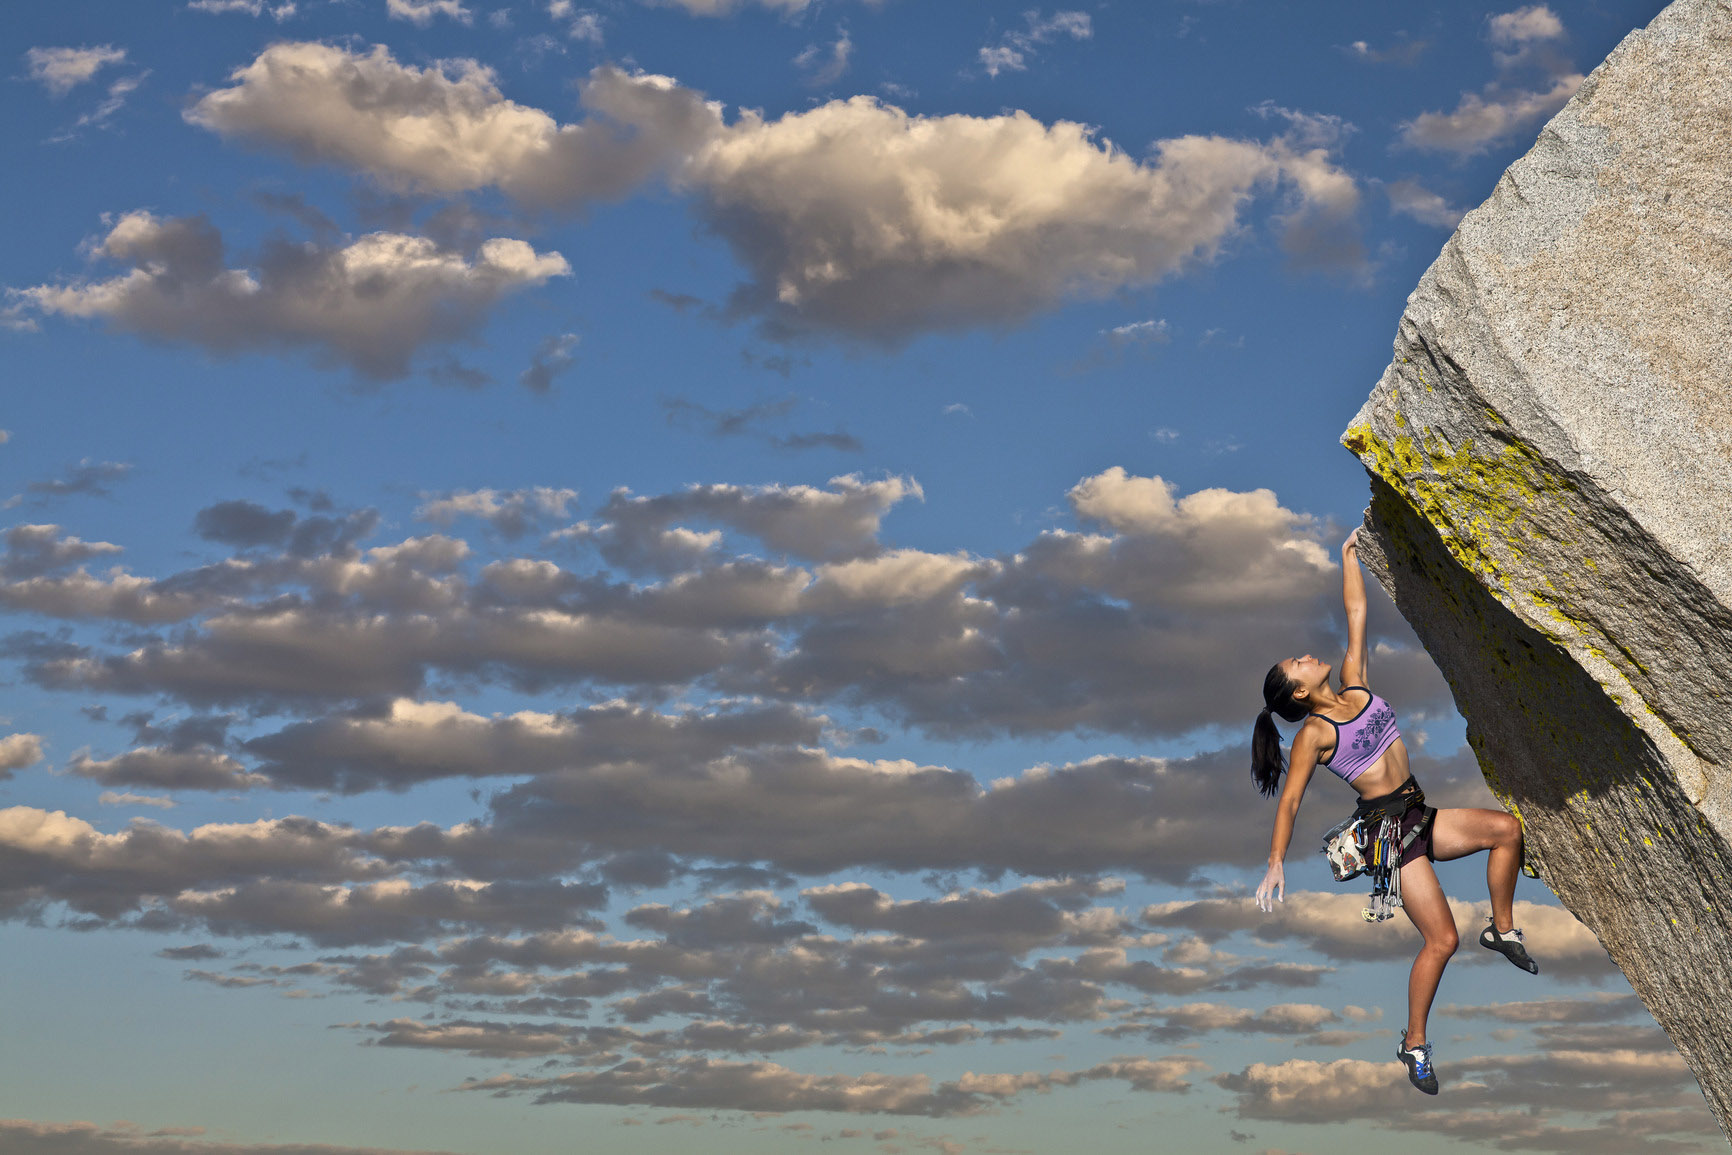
point(1267, 763)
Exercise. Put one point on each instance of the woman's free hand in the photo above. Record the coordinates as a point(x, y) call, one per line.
point(1273, 889)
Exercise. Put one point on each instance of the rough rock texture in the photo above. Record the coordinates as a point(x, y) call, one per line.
point(1551, 462)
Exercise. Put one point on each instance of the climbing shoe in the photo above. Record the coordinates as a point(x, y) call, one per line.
point(1419, 1069)
point(1510, 946)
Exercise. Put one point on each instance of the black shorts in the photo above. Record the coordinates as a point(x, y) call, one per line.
point(1420, 847)
point(1415, 814)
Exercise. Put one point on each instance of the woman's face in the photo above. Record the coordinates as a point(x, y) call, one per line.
point(1306, 673)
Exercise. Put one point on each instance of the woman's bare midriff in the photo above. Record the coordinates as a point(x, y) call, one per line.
point(1386, 774)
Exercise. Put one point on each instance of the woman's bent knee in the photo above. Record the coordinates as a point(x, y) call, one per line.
point(1511, 832)
point(1442, 944)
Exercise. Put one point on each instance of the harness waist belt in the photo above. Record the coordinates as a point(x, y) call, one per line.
point(1392, 805)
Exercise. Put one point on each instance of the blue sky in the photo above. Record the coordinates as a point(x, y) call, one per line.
point(697, 573)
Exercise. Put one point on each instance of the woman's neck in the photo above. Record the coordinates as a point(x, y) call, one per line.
point(1324, 699)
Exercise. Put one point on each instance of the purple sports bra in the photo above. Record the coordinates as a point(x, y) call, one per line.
point(1361, 742)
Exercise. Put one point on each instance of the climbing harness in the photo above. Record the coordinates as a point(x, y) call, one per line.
point(1371, 842)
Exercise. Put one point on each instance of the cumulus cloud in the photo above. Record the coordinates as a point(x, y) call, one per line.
point(247, 524)
point(513, 513)
point(804, 521)
point(19, 752)
point(1102, 630)
point(50, 856)
point(166, 768)
point(33, 550)
point(781, 806)
point(1534, 81)
point(1409, 198)
point(34, 578)
point(1484, 119)
point(858, 218)
point(447, 128)
point(1527, 25)
point(370, 304)
point(60, 70)
point(418, 741)
point(955, 221)
point(244, 523)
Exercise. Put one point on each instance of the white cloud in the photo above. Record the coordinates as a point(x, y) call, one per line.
point(1525, 25)
point(1411, 199)
point(447, 128)
point(997, 58)
point(1523, 45)
point(853, 217)
point(513, 513)
point(801, 520)
point(19, 752)
point(1482, 120)
point(370, 304)
point(421, 12)
point(1012, 51)
point(60, 70)
point(1080, 629)
point(856, 217)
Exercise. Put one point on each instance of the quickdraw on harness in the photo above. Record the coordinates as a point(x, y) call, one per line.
point(1371, 842)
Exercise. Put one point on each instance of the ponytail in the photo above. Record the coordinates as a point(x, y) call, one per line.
point(1267, 761)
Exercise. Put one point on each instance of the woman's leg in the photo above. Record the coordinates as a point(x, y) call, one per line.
point(1458, 833)
point(1422, 898)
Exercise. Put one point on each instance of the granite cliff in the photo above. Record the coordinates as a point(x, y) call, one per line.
point(1550, 454)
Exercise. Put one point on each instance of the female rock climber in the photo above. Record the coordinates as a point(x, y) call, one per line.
point(1352, 732)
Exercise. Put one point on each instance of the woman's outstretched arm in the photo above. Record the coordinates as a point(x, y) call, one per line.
point(1353, 671)
point(1273, 888)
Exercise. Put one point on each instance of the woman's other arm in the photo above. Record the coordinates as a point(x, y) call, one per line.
point(1273, 888)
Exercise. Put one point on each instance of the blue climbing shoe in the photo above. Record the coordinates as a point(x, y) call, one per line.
point(1419, 1069)
point(1509, 944)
